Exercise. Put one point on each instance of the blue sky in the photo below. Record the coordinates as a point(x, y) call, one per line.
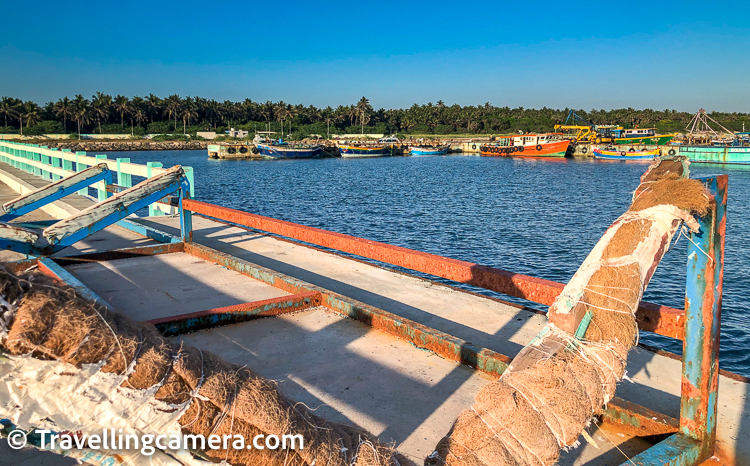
point(682, 55)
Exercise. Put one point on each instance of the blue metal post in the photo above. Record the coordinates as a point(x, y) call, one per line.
point(700, 350)
point(700, 369)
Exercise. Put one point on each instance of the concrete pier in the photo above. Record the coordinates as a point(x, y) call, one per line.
point(347, 370)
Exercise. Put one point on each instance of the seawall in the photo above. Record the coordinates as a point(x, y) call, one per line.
point(94, 146)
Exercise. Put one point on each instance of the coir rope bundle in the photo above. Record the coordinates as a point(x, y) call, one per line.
point(69, 364)
point(557, 384)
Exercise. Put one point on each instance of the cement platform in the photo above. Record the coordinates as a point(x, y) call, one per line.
point(351, 372)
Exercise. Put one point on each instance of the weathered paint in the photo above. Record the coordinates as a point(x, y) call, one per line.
point(419, 335)
point(677, 450)
point(48, 267)
point(149, 232)
point(116, 254)
point(700, 370)
point(184, 323)
point(54, 191)
point(637, 420)
point(651, 317)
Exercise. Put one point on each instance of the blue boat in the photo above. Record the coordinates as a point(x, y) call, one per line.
point(614, 154)
point(428, 150)
point(290, 151)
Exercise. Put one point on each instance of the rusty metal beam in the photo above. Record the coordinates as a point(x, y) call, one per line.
point(419, 335)
point(116, 254)
point(48, 267)
point(651, 317)
point(184, 323)
point(639, 421)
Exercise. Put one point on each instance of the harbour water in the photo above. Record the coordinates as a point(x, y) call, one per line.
point(537, 217)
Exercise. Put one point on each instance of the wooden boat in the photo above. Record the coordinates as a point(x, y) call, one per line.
point(527, 145)
point(642, 136)
point(429, 150)
point(631, 154)
point(364, 150)
point(284, 150)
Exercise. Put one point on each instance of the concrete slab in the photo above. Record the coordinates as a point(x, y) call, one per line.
point(482, 321)
point(350, 373)
point(152, 287)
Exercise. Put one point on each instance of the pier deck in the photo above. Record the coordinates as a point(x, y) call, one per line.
point(348, 370)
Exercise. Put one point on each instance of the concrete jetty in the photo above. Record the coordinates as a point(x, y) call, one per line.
point(351, 371)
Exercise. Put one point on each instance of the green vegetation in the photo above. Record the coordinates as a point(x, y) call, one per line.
point(177, 116)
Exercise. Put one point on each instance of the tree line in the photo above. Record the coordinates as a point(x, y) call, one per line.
point(151, 114)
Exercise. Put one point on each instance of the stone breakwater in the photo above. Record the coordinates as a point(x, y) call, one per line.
point(111, 146)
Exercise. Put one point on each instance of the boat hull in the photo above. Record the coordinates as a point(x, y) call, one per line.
point(710, 154)
point(657, 140)
point(428, 151)
point(361, 151)
point(281, 152)
point(624, 155)
point(548, 150)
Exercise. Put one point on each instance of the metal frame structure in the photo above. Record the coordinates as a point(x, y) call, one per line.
point(688, 441)
point(114, 208)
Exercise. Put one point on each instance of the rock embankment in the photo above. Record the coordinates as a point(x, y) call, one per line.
point(110, 146)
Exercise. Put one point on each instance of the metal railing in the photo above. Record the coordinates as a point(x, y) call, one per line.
point(53, 164)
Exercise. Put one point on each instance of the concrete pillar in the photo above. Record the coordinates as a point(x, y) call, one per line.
point(123, 179)
point(79, 167)
point(101, 186)
point(152, 210)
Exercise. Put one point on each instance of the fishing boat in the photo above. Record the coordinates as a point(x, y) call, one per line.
point(642, 136)
point(429, 150)
point(382, 148)
point(285, 150)
point(527, 145)
point(613, 154)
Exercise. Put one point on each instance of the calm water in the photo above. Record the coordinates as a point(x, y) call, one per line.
point(534, 217)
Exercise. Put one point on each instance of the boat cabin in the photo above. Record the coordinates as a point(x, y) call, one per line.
point(638, 133)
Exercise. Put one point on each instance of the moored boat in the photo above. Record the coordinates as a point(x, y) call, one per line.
point(384, 147)
point(285, 150)
point(232, 150)
point(613, 154)
point(429, 150)
point(711, 154)
point(527, 145)
point(642, 136)
point(364, 150)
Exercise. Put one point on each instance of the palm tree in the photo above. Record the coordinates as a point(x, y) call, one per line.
point(122, 107)
point(153, 105)
point(363, 112)
point(101, 105)
point(81, 112)
point(30, 114)
point(282, 113)
point(8, 108)
point(172, 106)
point(63, 109)
point(188, 112)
